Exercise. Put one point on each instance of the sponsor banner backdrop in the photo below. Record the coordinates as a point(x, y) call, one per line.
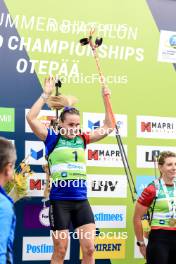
point(7, 119)
point(106, 248)
point(156, 127)
point(142, 182)
point(147, 154)
point(45, 117)
point(39, 248)
point(104, 155)
point(36, 152)
point(36, 185)
point(107, 186)
point(92, 121)
point(109, 216)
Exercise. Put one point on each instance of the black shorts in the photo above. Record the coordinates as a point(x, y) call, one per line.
point(63, 213)
point(161, 247)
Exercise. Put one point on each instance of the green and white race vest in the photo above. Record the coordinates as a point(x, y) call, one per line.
point(164, 208)
point(67, 160)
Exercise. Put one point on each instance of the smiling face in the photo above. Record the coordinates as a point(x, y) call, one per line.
point(168, 169)
point(70, 126)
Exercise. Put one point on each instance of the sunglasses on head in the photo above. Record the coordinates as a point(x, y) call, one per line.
point(68, 108)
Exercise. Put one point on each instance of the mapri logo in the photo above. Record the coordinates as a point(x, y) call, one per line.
point(7, 119)
point(107, 186)
point(104, 155)
point(36, 184)
point(156, 127)
point(146, 155)
point(92, 121)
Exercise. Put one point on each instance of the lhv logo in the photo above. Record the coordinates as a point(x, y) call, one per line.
point(107, 186)
point(147, 155)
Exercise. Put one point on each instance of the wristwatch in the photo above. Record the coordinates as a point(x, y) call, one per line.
point(140, 243)
point(44, 96)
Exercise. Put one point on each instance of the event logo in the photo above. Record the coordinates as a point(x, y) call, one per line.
point(107, 186)
point(172, 41)
point(108, 248)
point(167, 46)
point(110, 216)
point(39, 248)
point(146, 155)
point(104, 155)
point(142, 182)
point(156, 127)
point(7, 119)
point(94, 120)
point(45, 117)
point(36, 152)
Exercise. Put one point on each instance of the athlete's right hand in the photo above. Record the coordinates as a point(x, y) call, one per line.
point(143, 251)
point(49, 84)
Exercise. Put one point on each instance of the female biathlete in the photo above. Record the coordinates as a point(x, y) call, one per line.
point(66, 151)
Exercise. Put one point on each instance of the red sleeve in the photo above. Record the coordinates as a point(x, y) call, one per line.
point(147, 195)
point(86, 137)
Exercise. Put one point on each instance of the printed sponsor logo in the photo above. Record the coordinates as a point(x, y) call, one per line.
point(36, 216)
point(7, 119)
point(146, 155)
point(167, 46)
point(156, 127)
point(110, 216)
point(107, 186)
point(39, 248)
point(36, 184)
point(142, 182)
point(36, 152)
point(92, 121)
point(45, 117)
point(109, 248)
point(104, 155)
